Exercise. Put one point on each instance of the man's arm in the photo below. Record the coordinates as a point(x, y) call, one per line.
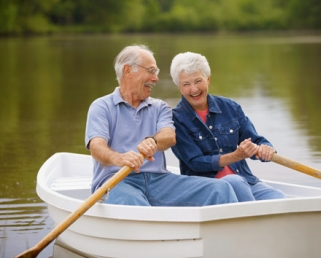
point(101, 152)
point(165, 138)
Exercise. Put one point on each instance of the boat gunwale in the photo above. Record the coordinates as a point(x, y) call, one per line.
point(175, 214)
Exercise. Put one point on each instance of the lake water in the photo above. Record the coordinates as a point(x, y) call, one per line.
point(47, 84)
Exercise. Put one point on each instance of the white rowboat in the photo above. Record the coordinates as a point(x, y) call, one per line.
point(274, 228)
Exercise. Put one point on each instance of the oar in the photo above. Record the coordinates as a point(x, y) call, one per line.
point(296, 165)
point(96, 196)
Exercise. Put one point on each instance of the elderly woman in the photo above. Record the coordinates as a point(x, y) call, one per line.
point(213, 135)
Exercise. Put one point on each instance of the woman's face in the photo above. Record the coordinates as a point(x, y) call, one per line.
point(194, 87)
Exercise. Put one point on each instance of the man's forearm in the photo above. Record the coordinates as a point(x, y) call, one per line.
point(165, 138)
point(101, 152)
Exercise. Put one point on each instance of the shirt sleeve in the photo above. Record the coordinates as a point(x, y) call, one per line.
point(97, 124)
point(165, 118)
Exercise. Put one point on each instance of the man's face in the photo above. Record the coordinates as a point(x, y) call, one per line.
point(194, 87)
point(143, 79)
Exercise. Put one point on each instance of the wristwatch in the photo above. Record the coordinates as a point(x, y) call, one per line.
point(152, 138)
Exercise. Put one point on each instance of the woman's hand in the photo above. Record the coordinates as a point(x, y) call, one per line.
point(246, 149)
point(265, 152)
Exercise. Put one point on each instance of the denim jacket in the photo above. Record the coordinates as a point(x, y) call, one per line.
point(199, 145)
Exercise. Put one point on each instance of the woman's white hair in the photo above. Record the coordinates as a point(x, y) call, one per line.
point(129, 55)
point(189, 62)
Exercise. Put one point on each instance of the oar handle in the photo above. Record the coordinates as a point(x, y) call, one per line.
point(62, 226)
point(296, 165)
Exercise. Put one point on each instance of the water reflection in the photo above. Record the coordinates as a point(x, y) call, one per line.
point(47, 84)
point(23, 222)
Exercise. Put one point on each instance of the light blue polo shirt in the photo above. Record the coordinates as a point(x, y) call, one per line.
point(124, 127)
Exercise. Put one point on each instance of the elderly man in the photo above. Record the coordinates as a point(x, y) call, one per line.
point(127, 123)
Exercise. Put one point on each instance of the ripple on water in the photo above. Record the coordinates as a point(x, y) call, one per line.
point(23, 223)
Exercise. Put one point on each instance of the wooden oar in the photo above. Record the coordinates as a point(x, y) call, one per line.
point(296, 165)
point(95, 197)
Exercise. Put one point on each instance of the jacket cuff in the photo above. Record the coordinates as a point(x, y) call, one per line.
point(215, 164)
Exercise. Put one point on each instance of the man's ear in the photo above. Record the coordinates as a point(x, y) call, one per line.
point(127, 70)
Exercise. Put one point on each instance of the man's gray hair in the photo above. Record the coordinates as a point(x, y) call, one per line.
point(129, 55)
point(189, 62)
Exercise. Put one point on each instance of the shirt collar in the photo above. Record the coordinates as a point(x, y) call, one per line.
point(118, 99)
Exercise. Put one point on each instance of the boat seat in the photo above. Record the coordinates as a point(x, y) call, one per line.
point(75, 187)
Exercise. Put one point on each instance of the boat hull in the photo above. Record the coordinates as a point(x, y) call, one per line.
point(272, 228)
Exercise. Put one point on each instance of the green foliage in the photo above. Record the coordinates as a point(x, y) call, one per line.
point(139, 15)
point(43, 16)
point(8, 17)
point(25, 16)
point(250, 15)
point(104, 15)
point(151, 16)
point(305, 14)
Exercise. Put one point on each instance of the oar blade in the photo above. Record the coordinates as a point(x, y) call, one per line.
point(30, 253)
point(87, 204)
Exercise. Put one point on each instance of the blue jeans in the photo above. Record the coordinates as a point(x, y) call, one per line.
point(167, 189)
point(246, 192)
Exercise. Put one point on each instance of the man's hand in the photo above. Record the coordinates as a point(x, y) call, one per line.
point(148, 148)
point(105, 155)
point(131, 159)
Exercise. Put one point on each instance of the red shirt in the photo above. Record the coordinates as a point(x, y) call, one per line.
point(225, 171)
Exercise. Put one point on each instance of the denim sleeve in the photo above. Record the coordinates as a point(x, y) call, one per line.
point(248, 130)
point(190, 154)
point(215, 162)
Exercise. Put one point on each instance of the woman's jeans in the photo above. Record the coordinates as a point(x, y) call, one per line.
point(246, 192)
point(167, 189)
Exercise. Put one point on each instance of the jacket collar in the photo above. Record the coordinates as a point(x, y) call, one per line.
point(213, 106)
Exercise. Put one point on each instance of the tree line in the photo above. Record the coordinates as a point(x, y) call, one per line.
point(50, 16)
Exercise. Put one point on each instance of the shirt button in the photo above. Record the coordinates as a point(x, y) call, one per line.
point(237, 171)
point(211, 127)
point(200, 137)
point(221, 150)
point(215, 139)
point(231, 130)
